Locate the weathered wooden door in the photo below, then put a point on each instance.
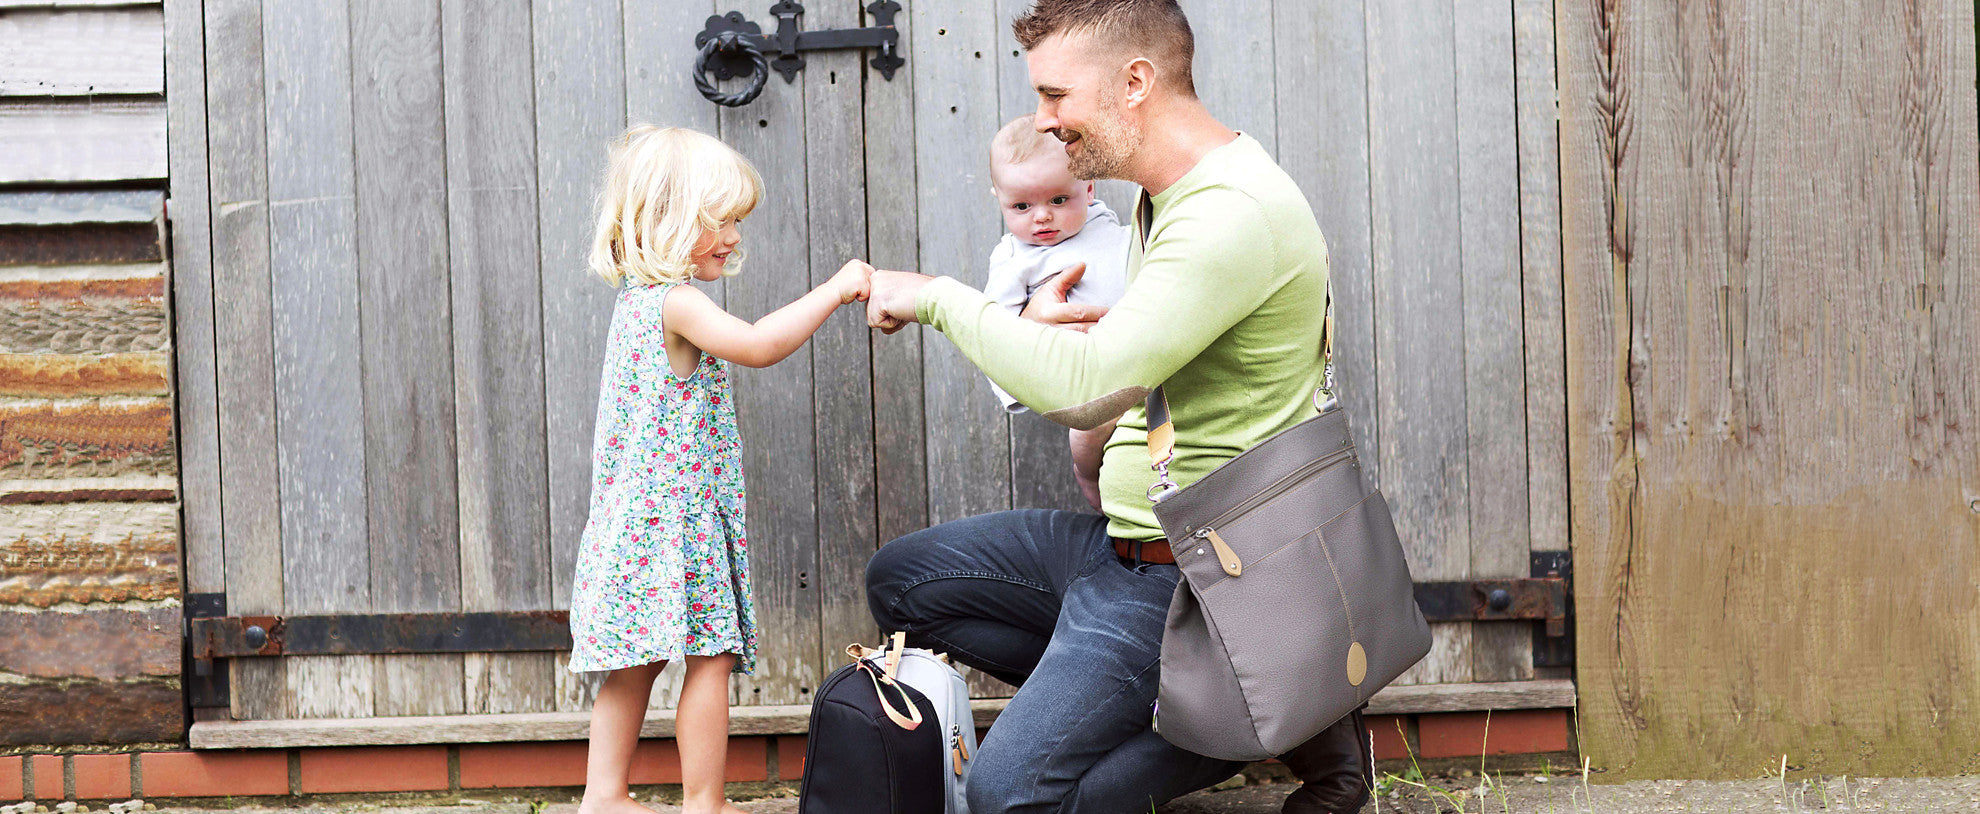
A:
(397, 401)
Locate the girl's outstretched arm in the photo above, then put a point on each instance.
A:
(691, 315)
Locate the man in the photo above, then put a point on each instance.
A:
(1224, 306)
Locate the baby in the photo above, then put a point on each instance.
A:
(1054, 222)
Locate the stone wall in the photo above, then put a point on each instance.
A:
(90, 630)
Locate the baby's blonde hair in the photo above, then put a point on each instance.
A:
(666, 187)
(1018, 142)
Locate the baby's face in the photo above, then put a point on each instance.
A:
(1042, 203)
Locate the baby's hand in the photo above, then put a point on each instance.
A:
(853, 282)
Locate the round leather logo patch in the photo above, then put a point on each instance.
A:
(1357, 664)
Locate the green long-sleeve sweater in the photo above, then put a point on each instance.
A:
(1224, 306)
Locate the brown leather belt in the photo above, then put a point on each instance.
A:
(1155, 551)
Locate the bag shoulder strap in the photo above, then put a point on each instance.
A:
(1161, 424)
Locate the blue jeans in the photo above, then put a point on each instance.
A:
(1038, 599)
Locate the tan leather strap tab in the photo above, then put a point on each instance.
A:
(893, 660)
(1327, 328)
(1162, 443)
(908, 722)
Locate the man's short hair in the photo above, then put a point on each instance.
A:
(1156, 29)
(1018, 141)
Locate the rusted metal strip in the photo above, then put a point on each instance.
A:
(378, 633)
(1541, 599)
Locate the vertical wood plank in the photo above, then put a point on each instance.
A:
(319, 409)
(956, 103)
(660, 90)
(399, 135)
(505, 561)
(1041, 465)
(1540, 278)
(1041, 461)
(195, 376)
(1494, 365)
(1235, 66)
(243, 349)
(1593, 116)
(893, 210)
(1419, 335)
(842, 349)
(579, 63)
(1540, 273)
(1323, 144)
(774, 405)
(660, 56)
(580, 108)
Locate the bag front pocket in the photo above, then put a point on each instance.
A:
(1287, 634)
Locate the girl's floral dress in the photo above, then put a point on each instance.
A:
(663, 568)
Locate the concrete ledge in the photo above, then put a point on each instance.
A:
(771, 720)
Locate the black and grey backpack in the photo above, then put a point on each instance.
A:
(876, 744)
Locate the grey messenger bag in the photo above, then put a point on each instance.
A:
(1295, 604)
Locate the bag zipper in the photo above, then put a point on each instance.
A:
(957, 751)
(1265, 495)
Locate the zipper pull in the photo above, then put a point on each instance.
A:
(1225, 556)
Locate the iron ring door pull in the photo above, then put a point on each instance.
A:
(732, 44)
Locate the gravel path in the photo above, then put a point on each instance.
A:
(1527, 794)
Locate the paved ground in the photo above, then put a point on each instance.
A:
(1525, 794)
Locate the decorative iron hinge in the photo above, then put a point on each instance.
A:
(731, 46)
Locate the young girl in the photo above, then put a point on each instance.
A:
(663, 569)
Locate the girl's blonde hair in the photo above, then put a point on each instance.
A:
(666, 187)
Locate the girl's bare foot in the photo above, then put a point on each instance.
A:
(612, 805)
(726, 808)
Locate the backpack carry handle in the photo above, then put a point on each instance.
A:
(874, 674)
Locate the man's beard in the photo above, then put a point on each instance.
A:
(1105, 147)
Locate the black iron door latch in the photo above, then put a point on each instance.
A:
(731, 46)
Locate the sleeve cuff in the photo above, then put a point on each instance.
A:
(937, 294)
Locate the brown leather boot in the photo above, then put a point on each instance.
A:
(1336, 768)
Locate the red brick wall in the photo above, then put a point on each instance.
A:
(468, 767)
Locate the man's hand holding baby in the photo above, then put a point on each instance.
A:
(1049, 303)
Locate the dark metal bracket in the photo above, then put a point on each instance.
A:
(1545, 599)
(1553, 646)
(731, 46)
(1495, 600)
(344, 634)
(205, 681)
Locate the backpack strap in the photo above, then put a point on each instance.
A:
(907, 722)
